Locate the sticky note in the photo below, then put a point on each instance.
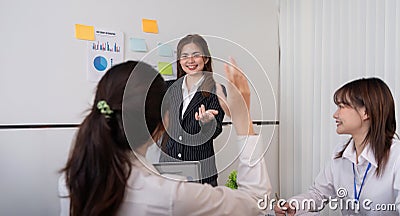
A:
(84, 32)
(165, 68)
(150, 26)
(138, 45)
(165, 50)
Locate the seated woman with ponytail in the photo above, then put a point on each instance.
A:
(107, 174)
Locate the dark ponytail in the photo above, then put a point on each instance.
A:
(96, 175)
(99, 164)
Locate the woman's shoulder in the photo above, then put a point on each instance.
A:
(395, 153)
(169, 83)
(173, 82)
(340, 147)
(220, 88)
(395, 148)
(62, 185)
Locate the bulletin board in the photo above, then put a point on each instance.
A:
(44, 76)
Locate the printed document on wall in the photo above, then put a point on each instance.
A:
(105, 51)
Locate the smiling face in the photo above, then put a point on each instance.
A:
(192, 59)
(350, 120)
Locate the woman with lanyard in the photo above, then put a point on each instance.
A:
(364, 175)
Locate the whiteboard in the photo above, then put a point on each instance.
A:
(43, 77)
(30, 161)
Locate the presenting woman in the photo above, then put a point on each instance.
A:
(195, 114)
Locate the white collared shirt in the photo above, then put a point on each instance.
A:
(337, 179)
(148, 193)
(188, 95)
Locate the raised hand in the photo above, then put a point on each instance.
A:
(238, 99)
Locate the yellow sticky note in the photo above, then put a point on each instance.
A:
(165, 68)
(150, 26)
(84, 32)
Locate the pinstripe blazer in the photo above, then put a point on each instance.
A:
(188, 140)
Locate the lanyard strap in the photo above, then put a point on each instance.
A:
(357, 195)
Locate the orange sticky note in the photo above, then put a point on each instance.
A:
(84, 32)
(150, 26)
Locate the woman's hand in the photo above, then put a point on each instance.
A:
(238, 99)
(284, 210)
(205, 116)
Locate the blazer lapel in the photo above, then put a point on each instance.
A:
(194, 103)
(175, 98)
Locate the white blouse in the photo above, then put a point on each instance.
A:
(379, 195)
(149, 193)
(187, 95)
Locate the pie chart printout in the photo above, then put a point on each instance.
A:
(100, 63)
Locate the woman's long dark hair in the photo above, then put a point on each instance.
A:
(375, 96)
(100, 160)
(209, 82)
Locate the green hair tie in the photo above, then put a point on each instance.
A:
(104, 108)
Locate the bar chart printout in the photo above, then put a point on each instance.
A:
(105, 51)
